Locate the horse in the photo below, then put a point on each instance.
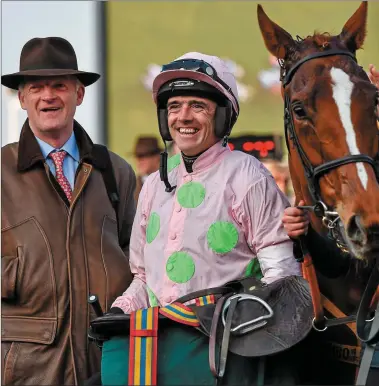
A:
(332, 138)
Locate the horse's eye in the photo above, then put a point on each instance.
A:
(299, 111)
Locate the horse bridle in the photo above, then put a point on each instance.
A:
(329, 218)
(370, 336)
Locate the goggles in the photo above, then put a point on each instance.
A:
(197, 66)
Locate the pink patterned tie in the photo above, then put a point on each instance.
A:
(58, 158)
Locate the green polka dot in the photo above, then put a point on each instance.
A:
(191, 194)
(152, 298)
(254, 269)
(153, 227)
(180, 267)
(173, 162)
(222, 236)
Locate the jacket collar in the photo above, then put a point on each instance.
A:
(29, 151)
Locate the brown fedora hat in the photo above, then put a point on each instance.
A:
(50, 56)
(146, 146)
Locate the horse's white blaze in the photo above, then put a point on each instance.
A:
(342, 89)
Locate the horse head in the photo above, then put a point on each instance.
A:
(331, 129)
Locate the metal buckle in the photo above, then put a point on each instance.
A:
(252, 324)
(319, 329)
(373, 317)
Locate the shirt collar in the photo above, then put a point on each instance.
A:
(70, 147)
(208, 158)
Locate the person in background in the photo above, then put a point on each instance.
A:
(60, 239)
(146, 153)
(280, 172)
(373, 74)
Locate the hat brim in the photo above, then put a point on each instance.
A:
(166, 76)
(14, 80)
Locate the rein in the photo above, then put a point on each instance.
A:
(367, 329)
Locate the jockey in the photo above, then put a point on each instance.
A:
(210, 215)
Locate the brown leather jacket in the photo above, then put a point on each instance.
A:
(53, 256)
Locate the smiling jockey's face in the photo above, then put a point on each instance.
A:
(191, 121)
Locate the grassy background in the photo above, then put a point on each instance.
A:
(144, 32)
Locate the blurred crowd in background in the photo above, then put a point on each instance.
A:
(127, 43)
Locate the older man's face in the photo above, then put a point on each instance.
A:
(147, 164)
(191, 121)
(51, 104)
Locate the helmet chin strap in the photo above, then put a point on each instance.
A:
(163, 169)
(163, 165)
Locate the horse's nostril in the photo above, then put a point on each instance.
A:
(355, 231)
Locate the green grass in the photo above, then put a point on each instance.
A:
(144, 32)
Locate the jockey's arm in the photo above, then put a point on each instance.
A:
(136, 297)
(327, 257)
(260, 214)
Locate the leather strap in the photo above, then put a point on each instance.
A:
(206, 292)
(226, 338)
(375, 299)
(109, 179)
(213, 334)
(369, 335)
(339, 321)
(310, 275)
(261, 371)
(339, 315)
(219, 370)
(326, 167)
(288, 77)
(365, 366)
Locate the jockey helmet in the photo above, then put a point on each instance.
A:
(201, 75)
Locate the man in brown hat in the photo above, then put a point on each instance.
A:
(146, 153)
(67, 212)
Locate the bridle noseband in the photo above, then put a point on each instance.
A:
(329, 218)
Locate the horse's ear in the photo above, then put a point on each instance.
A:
(354, 31)
(276, 39)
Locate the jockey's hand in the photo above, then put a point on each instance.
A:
(296, 221)
(115, 310)
(373, 75)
